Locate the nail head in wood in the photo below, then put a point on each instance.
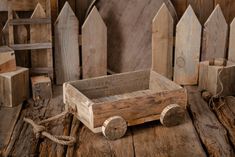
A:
(114, 128)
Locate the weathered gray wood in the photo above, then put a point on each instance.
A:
(41, 87)
(215, 31)
(129, 32)
(67, 62)
(187, 49)
(155, 140)
(94, 46)
(162, 42)
(33, 46)
(29, 21)
(231, 49)
(213, 135)
(7, 59)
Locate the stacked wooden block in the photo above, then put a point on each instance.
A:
(14, 81)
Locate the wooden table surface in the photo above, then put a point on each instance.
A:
(204, 133)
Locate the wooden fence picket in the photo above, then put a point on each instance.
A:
(67, 60)
(162, 42)
(94, 45)
(214, 36)
(231, 51)
(187, 49)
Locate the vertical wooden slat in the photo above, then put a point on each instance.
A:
(231, 51)
(162, 42)
(67, 63)
(214, 36)
(21, 37)
(228, 8)
(94, 46)
(202, 8)
(187, 48)
(38, 34)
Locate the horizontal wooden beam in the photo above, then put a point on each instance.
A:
(34, 46)
(42, 70)
(30, 21)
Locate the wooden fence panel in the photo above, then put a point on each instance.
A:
(214, 36)
(187, 49)
(94, 46)
(228, 8)
(231, 51)
(162, 42)
(67, 62)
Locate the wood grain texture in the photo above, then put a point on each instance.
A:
(213, 135)
(129, 32)
(40, 34)
(94, 46)
(231, 49)
(14, 87)
(21, 37)
(187, 49)
(180, 6)
(215, 31)
(202, 8)
(156, 140)
(7, 59)
(41, 87)
(67, 60)
(228, 8)
(162, 42)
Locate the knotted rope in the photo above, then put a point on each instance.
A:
(39, 130)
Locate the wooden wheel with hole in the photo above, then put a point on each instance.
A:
(114, 128)
(172, 115)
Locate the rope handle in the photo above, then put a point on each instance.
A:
(39, 130)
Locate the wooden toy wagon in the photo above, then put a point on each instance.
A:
(109, 104)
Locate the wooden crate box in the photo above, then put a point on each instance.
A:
(41, 87)
(7, 59)
(209, 76)
(129, 98)
(14, 87)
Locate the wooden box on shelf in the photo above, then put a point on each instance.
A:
(41, 87)
(7, 59)
(14, 87)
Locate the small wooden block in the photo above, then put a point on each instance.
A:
(114, 128)
(7, 59)
(41, 87)
(210, 76)
(14, 87)
(172, 115)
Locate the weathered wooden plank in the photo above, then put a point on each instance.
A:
(187, 49)
(129, 32)
(33, 46)
(162, 42)
(3, 5)
(67, 62)
(94, 46)
(29, 21)
(226, 114)
(9, 117)
(228, 8)
(213, 135)
(40, 34)
(21, 37)
(215, 31)
(231, 49)
(202, 8)
(41, 87)
(155, 140)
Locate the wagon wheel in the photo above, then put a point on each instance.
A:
(172, 115)
(114, 128)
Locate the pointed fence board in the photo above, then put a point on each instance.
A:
(162, 42)
(21, 37)
(40, 33)
(67, 63)
(231, 50)
(94, 46)
(214, 36)
(187, 49)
